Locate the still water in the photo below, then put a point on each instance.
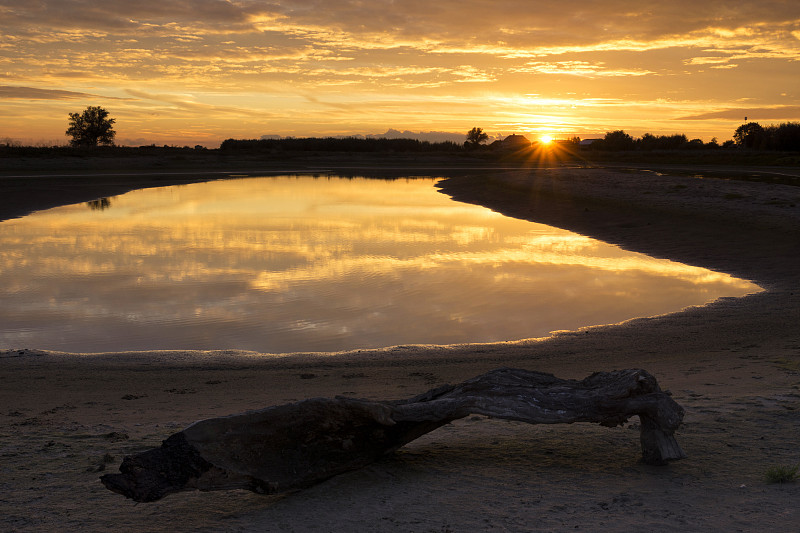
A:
(298, 263)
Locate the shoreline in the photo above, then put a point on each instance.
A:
(733, 364)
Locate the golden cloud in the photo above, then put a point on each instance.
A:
(578, 68)
(34, 93)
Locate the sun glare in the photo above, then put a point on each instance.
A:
(546, 139)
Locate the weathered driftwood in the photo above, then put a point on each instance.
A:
(292, 446)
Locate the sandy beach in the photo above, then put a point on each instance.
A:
(734, 365)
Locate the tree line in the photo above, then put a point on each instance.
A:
(335, 144)
(784, 137)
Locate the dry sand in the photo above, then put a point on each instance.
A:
(734, 365)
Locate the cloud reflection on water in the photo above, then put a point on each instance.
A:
(285, 264)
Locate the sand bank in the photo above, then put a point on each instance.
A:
(734, 365)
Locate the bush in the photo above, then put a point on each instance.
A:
(782, 474)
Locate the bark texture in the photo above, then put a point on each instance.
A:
(296, 445)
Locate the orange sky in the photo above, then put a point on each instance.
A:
(192, 72)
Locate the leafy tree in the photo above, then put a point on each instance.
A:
(475, 137)
(785, 137)
(750, 135)
(92, 127)
(617, 141)
(649, 141)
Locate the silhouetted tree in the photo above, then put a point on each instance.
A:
(475, 137)
(92, 127)
(750, 135)
(695, 144)
(649, 141)
(785, 137)
(617, 141)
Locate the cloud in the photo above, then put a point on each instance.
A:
(33, 93)
(335, 105)
(578, 68)
(431, 136)
(752, 113)
(188, 103)
(520, 23)
(219, 37)
(707, 60)
(454, 24)
(122, 16)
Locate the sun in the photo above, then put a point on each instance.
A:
(546, 139)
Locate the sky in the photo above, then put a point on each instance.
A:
(188, 72)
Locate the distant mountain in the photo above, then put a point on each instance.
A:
(430, 136)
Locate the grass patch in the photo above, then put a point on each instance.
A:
(782, 474)
(792, 365)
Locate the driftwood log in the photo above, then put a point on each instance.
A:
(296, 445)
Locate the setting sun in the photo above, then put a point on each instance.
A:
(546, 139)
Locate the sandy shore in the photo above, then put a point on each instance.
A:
(734, 365)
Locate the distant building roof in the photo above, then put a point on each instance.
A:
(516, 140)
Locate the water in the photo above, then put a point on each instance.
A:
(298, 263)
